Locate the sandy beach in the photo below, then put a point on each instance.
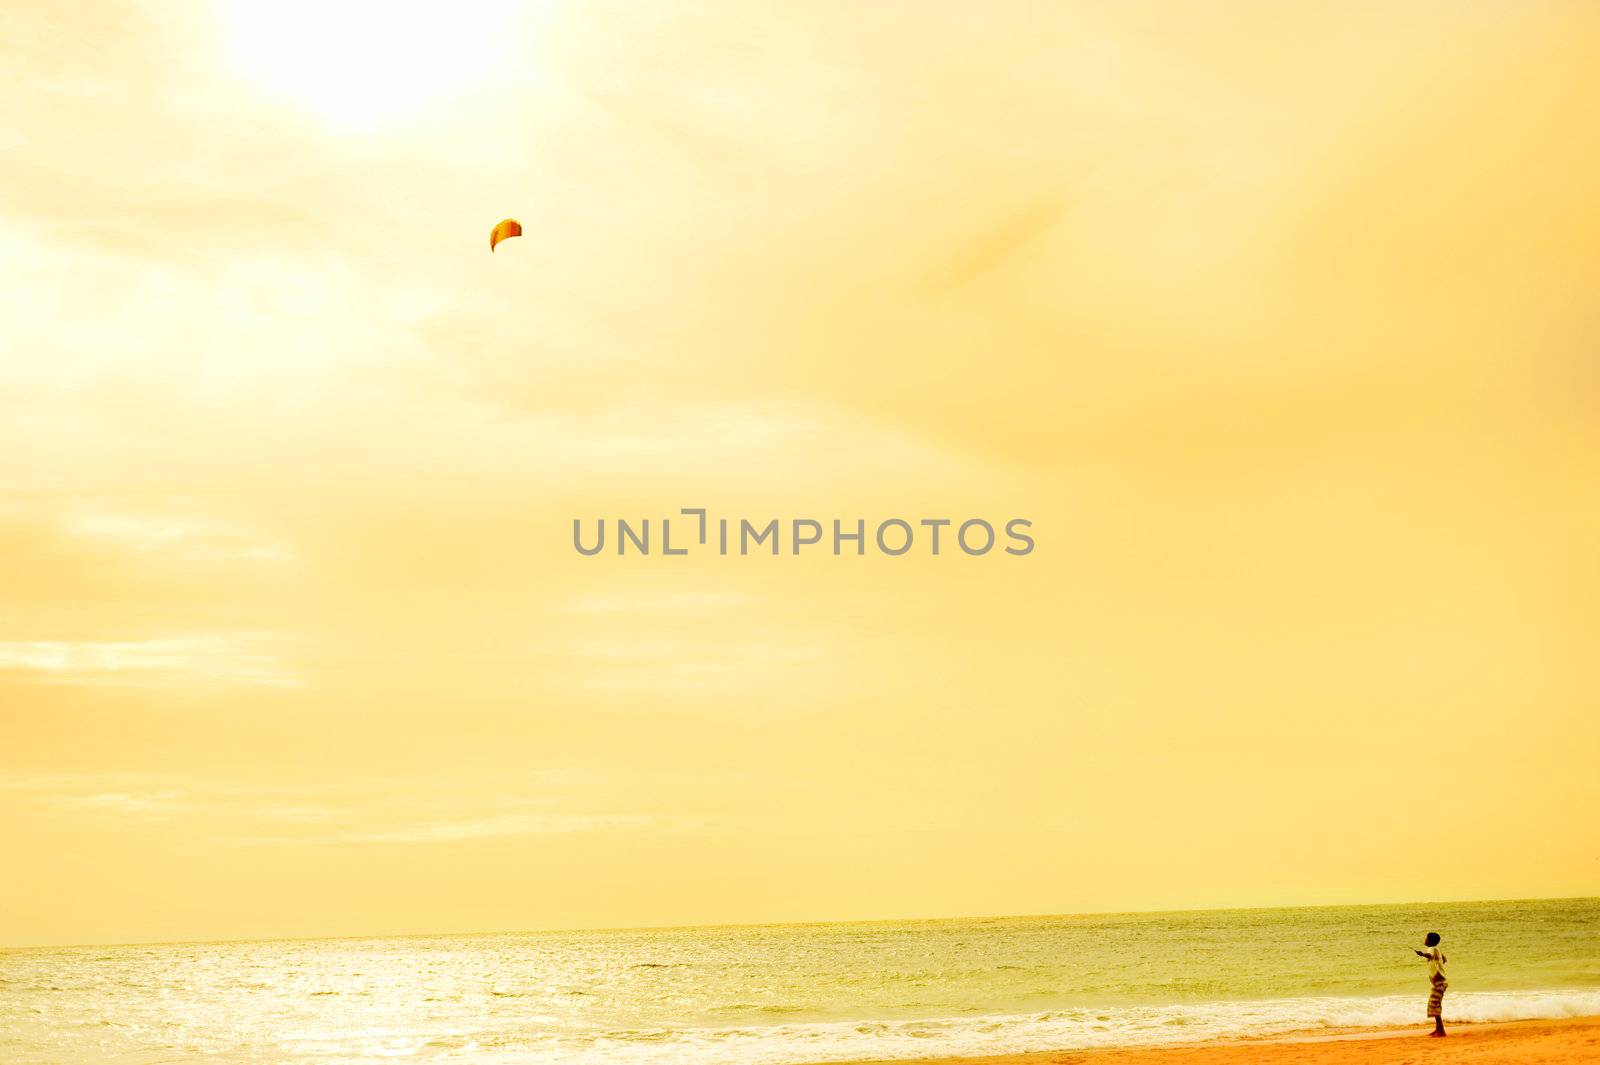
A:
(1562, 1042)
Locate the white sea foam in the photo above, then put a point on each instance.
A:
(1073, 1029)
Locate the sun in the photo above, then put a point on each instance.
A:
(365, 62)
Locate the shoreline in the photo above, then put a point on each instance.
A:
(1559, 1041)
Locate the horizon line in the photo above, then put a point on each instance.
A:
(775, 924)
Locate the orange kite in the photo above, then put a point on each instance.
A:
(503, 230)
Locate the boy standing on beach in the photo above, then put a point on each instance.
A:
(1434, 956)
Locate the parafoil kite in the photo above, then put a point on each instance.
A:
(510, 227)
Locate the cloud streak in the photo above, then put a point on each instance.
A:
(420, 811)
(202, 661)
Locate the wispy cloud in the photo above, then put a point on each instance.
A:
(206, 661)
(683, 602)
(994, 247)
(141, 805)
(184, 537)
(667, 664)
(303, 813)
(528, 823)
(409, 811)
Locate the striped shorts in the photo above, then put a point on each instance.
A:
(1436, 997)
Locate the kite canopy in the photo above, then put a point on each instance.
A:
(502, 230)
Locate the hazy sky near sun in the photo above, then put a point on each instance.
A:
(1278, 321)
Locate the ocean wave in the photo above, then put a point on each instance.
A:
(1061, 1029)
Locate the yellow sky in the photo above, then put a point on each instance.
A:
(1277, 320)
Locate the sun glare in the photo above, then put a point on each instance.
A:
(366, 61)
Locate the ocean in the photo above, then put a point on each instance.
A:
(767, 995)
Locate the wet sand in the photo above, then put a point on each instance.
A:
(1564, 1042)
